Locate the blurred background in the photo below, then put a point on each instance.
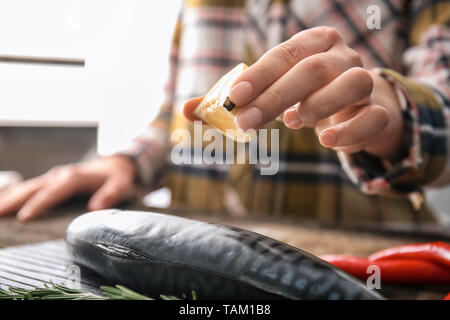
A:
(96, 108)
(125, 44)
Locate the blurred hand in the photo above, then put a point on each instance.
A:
(315, 80)
(109, 179)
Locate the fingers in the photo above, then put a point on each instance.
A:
(58, 188)
(13, 198)
(110, 175)
(189, 107)
(279, 60)
(300, 81)
(113, 191)
(71, 181)
(357, 84)
(352, 135)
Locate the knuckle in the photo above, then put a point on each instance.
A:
(261, 74)
(309, 113)
(354, 57)
(330, 34)
(319, 114)
(276, 99)
(290, 51)
(68, 173)
(364, 81)
(317, 66)
(55, 170)
(381, 116)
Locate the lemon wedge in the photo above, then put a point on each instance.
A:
(217, 110)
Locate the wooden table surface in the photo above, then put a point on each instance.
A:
(314, 239)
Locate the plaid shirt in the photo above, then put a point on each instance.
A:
(411, 50)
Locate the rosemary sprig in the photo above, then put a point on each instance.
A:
(59, 292)
(49, 292)
(122, 293)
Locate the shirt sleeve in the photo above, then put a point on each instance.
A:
(149, 151)
(424, 93)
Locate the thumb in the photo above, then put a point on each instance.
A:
(112, 192)
(189, 107)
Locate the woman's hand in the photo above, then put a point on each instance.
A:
(315, 80)
(110, 179)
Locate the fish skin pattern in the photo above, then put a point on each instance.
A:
(155, 254)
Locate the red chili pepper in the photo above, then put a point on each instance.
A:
(356, 266)
(438, 252)
(394, 271)
(447, 297)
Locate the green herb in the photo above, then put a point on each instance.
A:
(49, 292)
(121, 293)
(59, 292)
